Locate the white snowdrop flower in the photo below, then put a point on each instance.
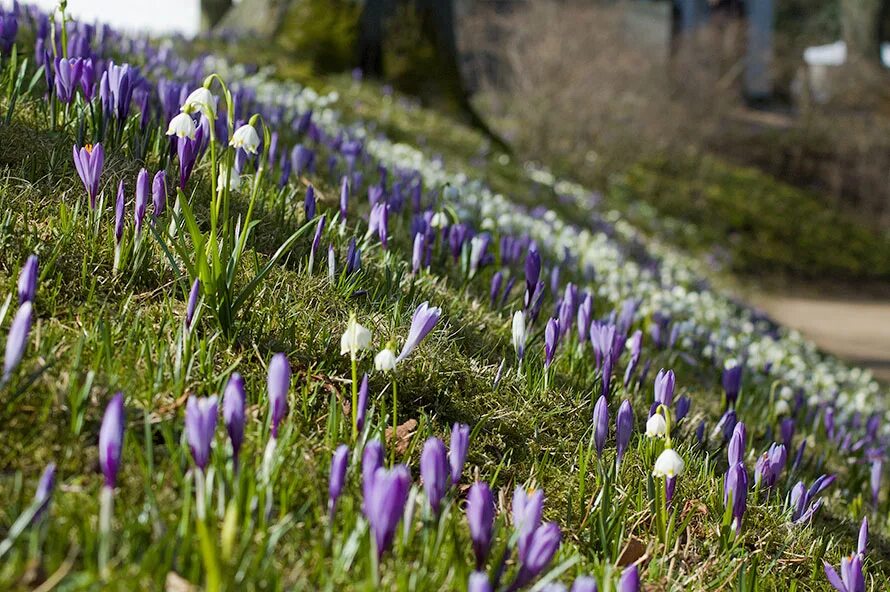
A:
(520, 332)
(782, 407)
(246, 137)
(355, 338)
(201, 100)
(439, 220)
(656, 426)
(668, 464)
(385, 360)
(225, 179)
(182, 126)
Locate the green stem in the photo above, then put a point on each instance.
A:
(395, 418)
(354, 398)
(106, 510)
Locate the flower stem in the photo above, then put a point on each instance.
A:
(106, 510)
(354, 398)
(395, 419)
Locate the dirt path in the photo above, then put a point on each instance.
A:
(857, 331)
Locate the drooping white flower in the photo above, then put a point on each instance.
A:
(182, 126)
(355, 338)
(224, 179)
(201, 100)
(246, 137)
(668, 464)
(439, 220)
(520, 333)
(656, 426)
(385, 360)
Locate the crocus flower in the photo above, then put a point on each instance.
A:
(520, 333)
(736, 450)
(585, 311)
(851, 578)
(584, 584)
(417, 253)
(664, 387)
(423, 320)
(624, 425)
(527, 511)
(636, 350)
(337, 477)
(769, 466)
(142, 189)
(17, 340)
(89, 161)
(862, 543)
(355, 338)
(434, 470)
(119, 214)
(479, 582)
(88, 80)
(27, 284)
(246, 138)
(344, 197)
(187, 150)
(278, 385)
(67, 78)
(732, 383)
(111, 440)
(44, 491)
(316, 240)
(372, 459)
(541, 548)
(668, 464)
(735, 492)
(309, 203)
(682, 409)
(877, 470)
(532, 275)
(9, 28)
(600, 424)
(480, 517)
(233, 413)
(120, 84)
(362, 403)
(386, 504)
(159, 193)
(457, 453)
(192, 303)
(200, 424)
(786, 428)
(630, 580)
(551, 340)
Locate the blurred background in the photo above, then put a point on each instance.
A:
(750, 133)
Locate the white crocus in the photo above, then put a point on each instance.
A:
(520, 333)
(246, 137)
(385, 360)
(668, 464)
(355, 338)
(182, 126)
(201, 100)
(656, 426)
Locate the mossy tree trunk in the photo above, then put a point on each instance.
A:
(860, 25)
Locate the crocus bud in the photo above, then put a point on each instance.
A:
(44, 491)
(27, 285)
(372, 459)
(457, 454)
(119, 214)
(527, 511)
(585, 311)
(479, 582)
(863, 537)
(111, 440)
(423, 320)
(316, 240)
(192, 303)
(624, 425)
(434, 470)
(664, 387)
(541, 548)
(389, 492)
(338, 477)
(17, 340)
(551, 340)
(344, 197)
(584, 584)
(532, 275)
(142, 188)
(600, 424)
(159, 193)
(200, 424)
(278, 384)
(732, 383)
(233, 413)
(362, 403)
(519, 334)
(630, 580)
(736, 449)
(682, 410)
(668, 463)
(480, 517)
(417, 253)
(735, 492)
(309, 203)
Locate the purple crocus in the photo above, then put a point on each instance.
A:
(187, 150)
(309, 203)
(67, 78)
(600, 424)
(159, 193)
(200, 424)
(769, 466)
(88, 80)
(344, 198)
(630, 580)
(362, 403)
(532, 275)
(9, 28)
(278, 384)
(386, 504)
(434, 470)
(337, 477)
(664, 387)
(584, 584)
(480, 517)
(119, 211)
(422, 322)
(142, 189)
(732, 384)
(44, 491)
(624, 425)
(316, 240)
(479, 582)
(17, 340)
(233, 413)
(192, 303)
(585, 312)
(735, 492)
(27, 284)
(417, 252)
(551, 340)
(851, 578)
(541, 548)
(372, 459)
(735, 452)
(527, 511)
(111, 440)
(457, 453)
(89, 161)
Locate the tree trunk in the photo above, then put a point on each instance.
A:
(370, 37)
(212, 11)
(860, 24)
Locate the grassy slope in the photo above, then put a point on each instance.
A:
(125, 331)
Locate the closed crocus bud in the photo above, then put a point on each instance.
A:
(736, 450)
(551, 340)
(732, 383)
(337, 477)
(385, 360)
(630, 580)
(233, 413)
(362, 404)
(668, 464)
(247, 138)
(480, 517)
(585, 312)
(355, 338)
(27, 285)
(519, 334)
(664, 387)
(192, 303)
(309, 203)
(527, 511)
(344, 197)
(111, 440)
(119, 210)
(417, 253)
(624, 425)
(372, 459)
(434, 470)
(457, 454)
(159, 193)
(200, 424)
(735, 492)
(17, 340)
(479, 582)
(423, 321)
(863, 538)
(541, 548)
(278, 384)
(389, 493)
(182, 126)
(656, 426)
(682, 410)
(142, 189)
(584, 584)
(44, 491)
(600, 424)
